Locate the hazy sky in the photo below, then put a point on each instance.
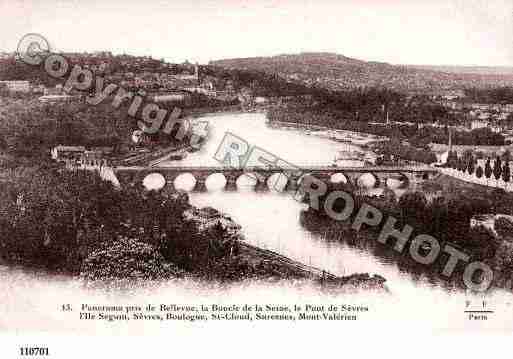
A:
(459, 32)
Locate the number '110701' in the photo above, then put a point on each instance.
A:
(33, 351)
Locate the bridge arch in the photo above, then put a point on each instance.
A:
(396, 181)
(367, 180)
(338, 178)
(277, 182)
(154, 181)
(247, 181)
(216, 182)
(185, 182)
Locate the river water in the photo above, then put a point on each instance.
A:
(269, 220)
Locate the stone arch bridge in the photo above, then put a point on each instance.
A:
(265, 178)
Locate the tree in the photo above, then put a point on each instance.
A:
(479, 172)
(124, 261)
(463, 165)
(471, 166)
(504, 228)
(504, 263)
(497, 168)
(506, 172)
(506, 156)
(413, 209)
(467, 156)
(488, 169)
(452, 159)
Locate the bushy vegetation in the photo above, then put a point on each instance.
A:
(413, 133)
(489, 95)
(499, 168)
(126, 260)
(393, 151)
(504, 228)
(259, 82)
(12, 69)
(30, 129)
(446, 218)
(73, 221)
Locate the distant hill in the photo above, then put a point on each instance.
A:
(338, 72)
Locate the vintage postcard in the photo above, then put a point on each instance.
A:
(215, 173)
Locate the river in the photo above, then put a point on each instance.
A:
(270, 219)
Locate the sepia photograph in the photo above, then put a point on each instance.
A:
(192, 175)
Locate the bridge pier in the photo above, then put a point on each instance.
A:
(231, 184)
(200, 186)
(352, 179)
(292, 185)
(261, 186)
(169, 187)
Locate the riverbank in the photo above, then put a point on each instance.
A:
(220, 111)
(485, 151)
(353, 137)
(353, 282)
(252, 262)
(452, 218)
(358, 138)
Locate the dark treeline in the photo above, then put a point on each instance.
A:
(29, 128)
(498, 168)
(448, 219)
(413, 133)
(12, 69)
(393, 151)
(490, 96)
(372, 104)
(198, 101)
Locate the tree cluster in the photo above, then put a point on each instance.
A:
(66, 221)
